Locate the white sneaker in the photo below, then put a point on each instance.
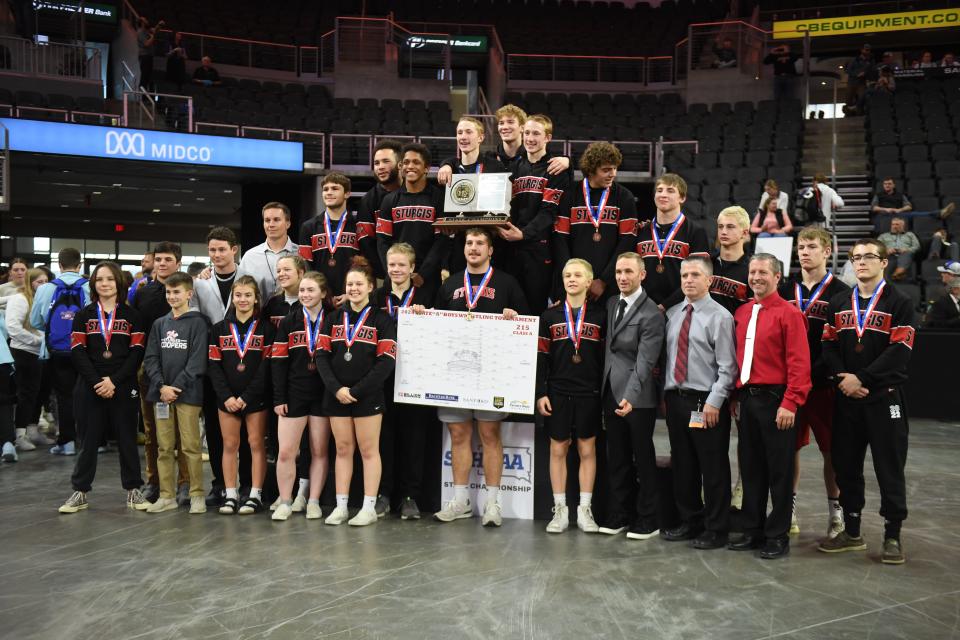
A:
(492, 514)
(276, 503)
(585, 521)
(454, 510)
(33, 435)
(74, 503)
(313, 511)
(198, 504)
(835, 526)
(43, 423)
(299, 504)
(9, 453)
(794, 524)
(282, 512)
(163, 504)
(561, 520)
(24, 444)
(364, 517)
(736, 500)
(338, 516)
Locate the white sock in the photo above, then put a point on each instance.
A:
(342, 500)
(833, 504)
(21, 432)
(255, 493)
(304, 487)
(369, 502)
(586, 499)
(559, 499)
(460, 493)
(493, 494)
(316, 502)
(232, 493)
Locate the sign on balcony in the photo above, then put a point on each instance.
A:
(152, 146)
(464, 44)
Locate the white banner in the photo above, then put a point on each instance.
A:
(782, 248)
(516, 495)
(486, 363)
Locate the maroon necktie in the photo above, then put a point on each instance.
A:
(680, 368)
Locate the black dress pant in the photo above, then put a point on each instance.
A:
(29, 373)
(410, 423)
(94, 416)
(699, 461)
(211, 423)
(632, 466)
(882, 425)
(766, 463)
(8, 396)
(64, 378)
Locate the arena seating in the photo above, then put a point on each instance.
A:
(913, 138)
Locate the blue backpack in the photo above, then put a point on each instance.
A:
(66, 302)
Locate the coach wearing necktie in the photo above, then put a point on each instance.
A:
(701, 370)
(774, 363)
(634, 340)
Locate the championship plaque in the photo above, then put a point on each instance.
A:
(476, 199)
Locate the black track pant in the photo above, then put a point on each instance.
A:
(94, 416)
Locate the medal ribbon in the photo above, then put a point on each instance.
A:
(334, 239)
(798, 293)
(404, 302)
(661, 245)
(575, 334)
(106, 324)
(244, 345)
(595, 217)
(861, 324)
(350, 330)
(312, 329)
(467, 289)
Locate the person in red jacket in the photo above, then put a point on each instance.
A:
(774, 361)
(239, 369)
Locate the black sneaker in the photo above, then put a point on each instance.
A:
(150, 492)
(382, 507)
(682, 532)
(892, 552)
(775, 548)
(216, 497)
(409, 509)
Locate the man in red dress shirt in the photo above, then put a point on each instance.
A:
(774, 381)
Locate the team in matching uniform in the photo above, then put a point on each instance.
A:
(321, 350)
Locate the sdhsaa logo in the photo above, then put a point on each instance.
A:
(516, 462)
(124, 143)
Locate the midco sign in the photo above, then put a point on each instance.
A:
(154, 146)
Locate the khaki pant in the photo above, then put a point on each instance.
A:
(150, 436)
(184, 420)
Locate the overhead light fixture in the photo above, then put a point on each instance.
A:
(117, 184)
(64, 206)
(97, 193)
(156, 210)
(176, 204)
(228, 190)
(86, 219)
(200, 199)
(192, 179)
(150, 224)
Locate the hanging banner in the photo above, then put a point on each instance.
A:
(874, 23)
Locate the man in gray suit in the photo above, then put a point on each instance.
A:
(634, 338)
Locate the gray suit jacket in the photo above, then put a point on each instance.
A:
(207, 300)
(633, 350)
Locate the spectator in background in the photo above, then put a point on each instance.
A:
(27, 349)
(15, 279)
(177, 61)
(195, 269)
(828, 199)
(886, 84)
(146, 271)
(858, 71)
(925, 61)
(940, 244)
(945, 312)
(784, 71)
(725, 56)
(771, 221)
(901, 246)
(772, 190)
(146, 39)
(891, 202)
(205, 74)
(949, 271)
(887, 62)
(949, 60)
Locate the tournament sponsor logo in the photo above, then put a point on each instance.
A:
(125, 143)
(498, 402)
(517, 463)
(407, 394)
(519, 405)
(463, 192)
(445, 397)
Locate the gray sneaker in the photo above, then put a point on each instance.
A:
(183, 495)
(409, 509)
(843, 541)
(74, 503)
(892, 552)
(9, 452)
(382, 507)
(135, 500)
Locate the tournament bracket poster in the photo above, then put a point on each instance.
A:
(516, 495)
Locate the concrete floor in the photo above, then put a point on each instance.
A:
(112, 573)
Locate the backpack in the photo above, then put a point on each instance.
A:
(809, 209)
(66, 302)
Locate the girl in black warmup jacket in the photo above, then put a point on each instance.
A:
(297, 394)
(358, 350)
(239, 369)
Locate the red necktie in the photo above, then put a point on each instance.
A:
(680, 368)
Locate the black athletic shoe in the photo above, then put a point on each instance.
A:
(775, 548)
(710, 540)
(683, 532)
(150, 492)
(745, 543)
(216, 497)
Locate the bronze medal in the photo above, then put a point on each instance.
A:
(332, 262)
(577, 358)
(311, 366)
(107, 354)
(596, 236)
(660, 268)
(241, 367)
(469, 315)
(859, 347)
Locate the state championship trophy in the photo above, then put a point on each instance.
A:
(477, 199)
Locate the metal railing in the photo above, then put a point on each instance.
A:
(146, 109)
(567, 68)
(4, 168)
(726, 45)
(239, 52)
(314, 145)
(420, 54)
(837, 9)
(328, 52)
(661, 147)
(76, 62)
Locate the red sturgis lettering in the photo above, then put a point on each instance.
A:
(319, 241)
(119, 326)
(552, 195)
(582, 214)
(488, 293)
(728, 287)
(903, 335)
(674, 249)
(529, 184)
(878, 321)
(297, 339)
(818, 310)
(423, 214)
(227, 343)
(590, 332)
